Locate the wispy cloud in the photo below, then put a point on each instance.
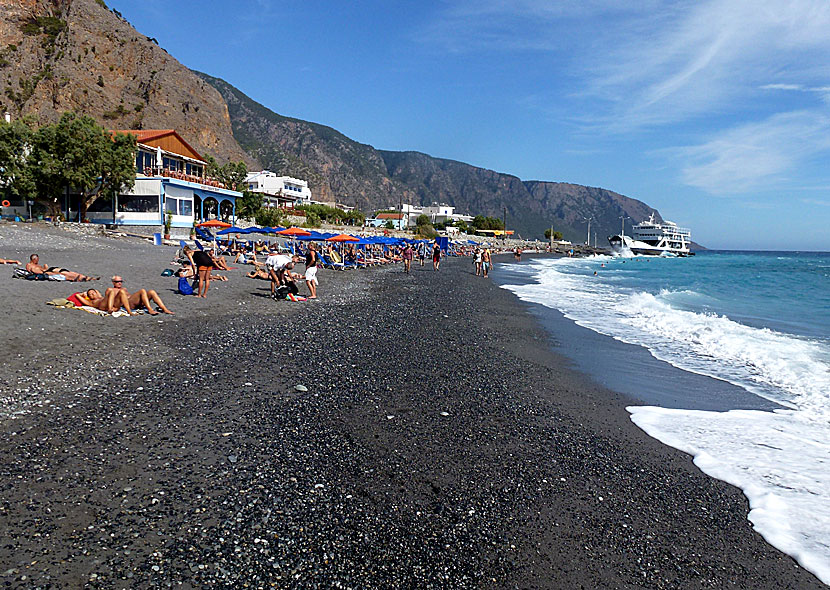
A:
(754, 155)
(819, 202)
(704, 57)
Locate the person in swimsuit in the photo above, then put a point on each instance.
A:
(93, 298)
(9, 261)
(141, 298)
(35, 267)
(311, 260)
(436, 256)
(202, 262)
(477, 261)
(486, 262)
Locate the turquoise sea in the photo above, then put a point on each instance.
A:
(713, 325)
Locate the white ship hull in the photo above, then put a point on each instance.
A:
(627, 245)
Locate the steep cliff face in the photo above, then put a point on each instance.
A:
(78, 55)
(335, 166)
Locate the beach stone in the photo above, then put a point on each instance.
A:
(301, 387)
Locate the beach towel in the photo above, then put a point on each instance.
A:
(61, 303)
(292, 297)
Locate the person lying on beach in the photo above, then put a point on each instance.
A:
(9, 261)
(35, 267)
(114, 300)
(139, 299)
(258, 273)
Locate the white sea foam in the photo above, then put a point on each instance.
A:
(781, 460)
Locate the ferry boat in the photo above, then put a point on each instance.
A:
(651, 238)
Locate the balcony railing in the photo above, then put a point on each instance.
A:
(167, 173)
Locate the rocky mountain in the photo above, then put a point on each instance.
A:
(62, 55)
(59, 55)
(359, 174)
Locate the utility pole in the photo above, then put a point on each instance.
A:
(588, 239)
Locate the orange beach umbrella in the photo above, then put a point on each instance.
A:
(294, 231)
(214, 223)
(342, 238)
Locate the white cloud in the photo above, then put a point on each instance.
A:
(819, 202)
(705, 57)
(756, 154)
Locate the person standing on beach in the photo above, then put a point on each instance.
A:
(477, 261)
(203, 264)
(278, 265)
(311, 259)
(486, 261)
(407, 255)
(422, 252)
(436, 256)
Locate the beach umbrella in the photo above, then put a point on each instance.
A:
(231, 230)
(214, 223)
(294, 231)
(342, 238)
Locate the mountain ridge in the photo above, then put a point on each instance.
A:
(58, 55)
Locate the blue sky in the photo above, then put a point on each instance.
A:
(717, 113)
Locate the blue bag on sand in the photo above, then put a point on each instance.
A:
(184, 287)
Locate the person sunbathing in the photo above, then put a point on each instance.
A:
(9, 261)
(259, 273)
(141, 298)
(35, 267)
(114, 300)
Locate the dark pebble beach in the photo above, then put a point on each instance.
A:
(405, 431)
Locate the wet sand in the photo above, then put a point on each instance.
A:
(404, 431)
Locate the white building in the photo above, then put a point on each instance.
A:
(278, 191)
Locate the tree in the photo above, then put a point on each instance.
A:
(354, 217)
(389, 225)
(250, 203)
(269, 216)
(231, 174)
(422, 220)
(482, 222)
(461, 225)
(557, 235)
(79, 154)
(16, 179)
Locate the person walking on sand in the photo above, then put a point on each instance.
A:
(311, 260)
(407, 255)
(422, 252)
(436, 256)
(486, 261)
(477, 261)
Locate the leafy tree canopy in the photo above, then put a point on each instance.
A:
(557, 235)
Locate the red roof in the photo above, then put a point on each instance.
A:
(389, 216)
(146, 136)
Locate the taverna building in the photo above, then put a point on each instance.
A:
(170, 177)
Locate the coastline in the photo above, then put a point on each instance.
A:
(182, 451)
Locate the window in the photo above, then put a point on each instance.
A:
(138, 203)
(178, 206)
